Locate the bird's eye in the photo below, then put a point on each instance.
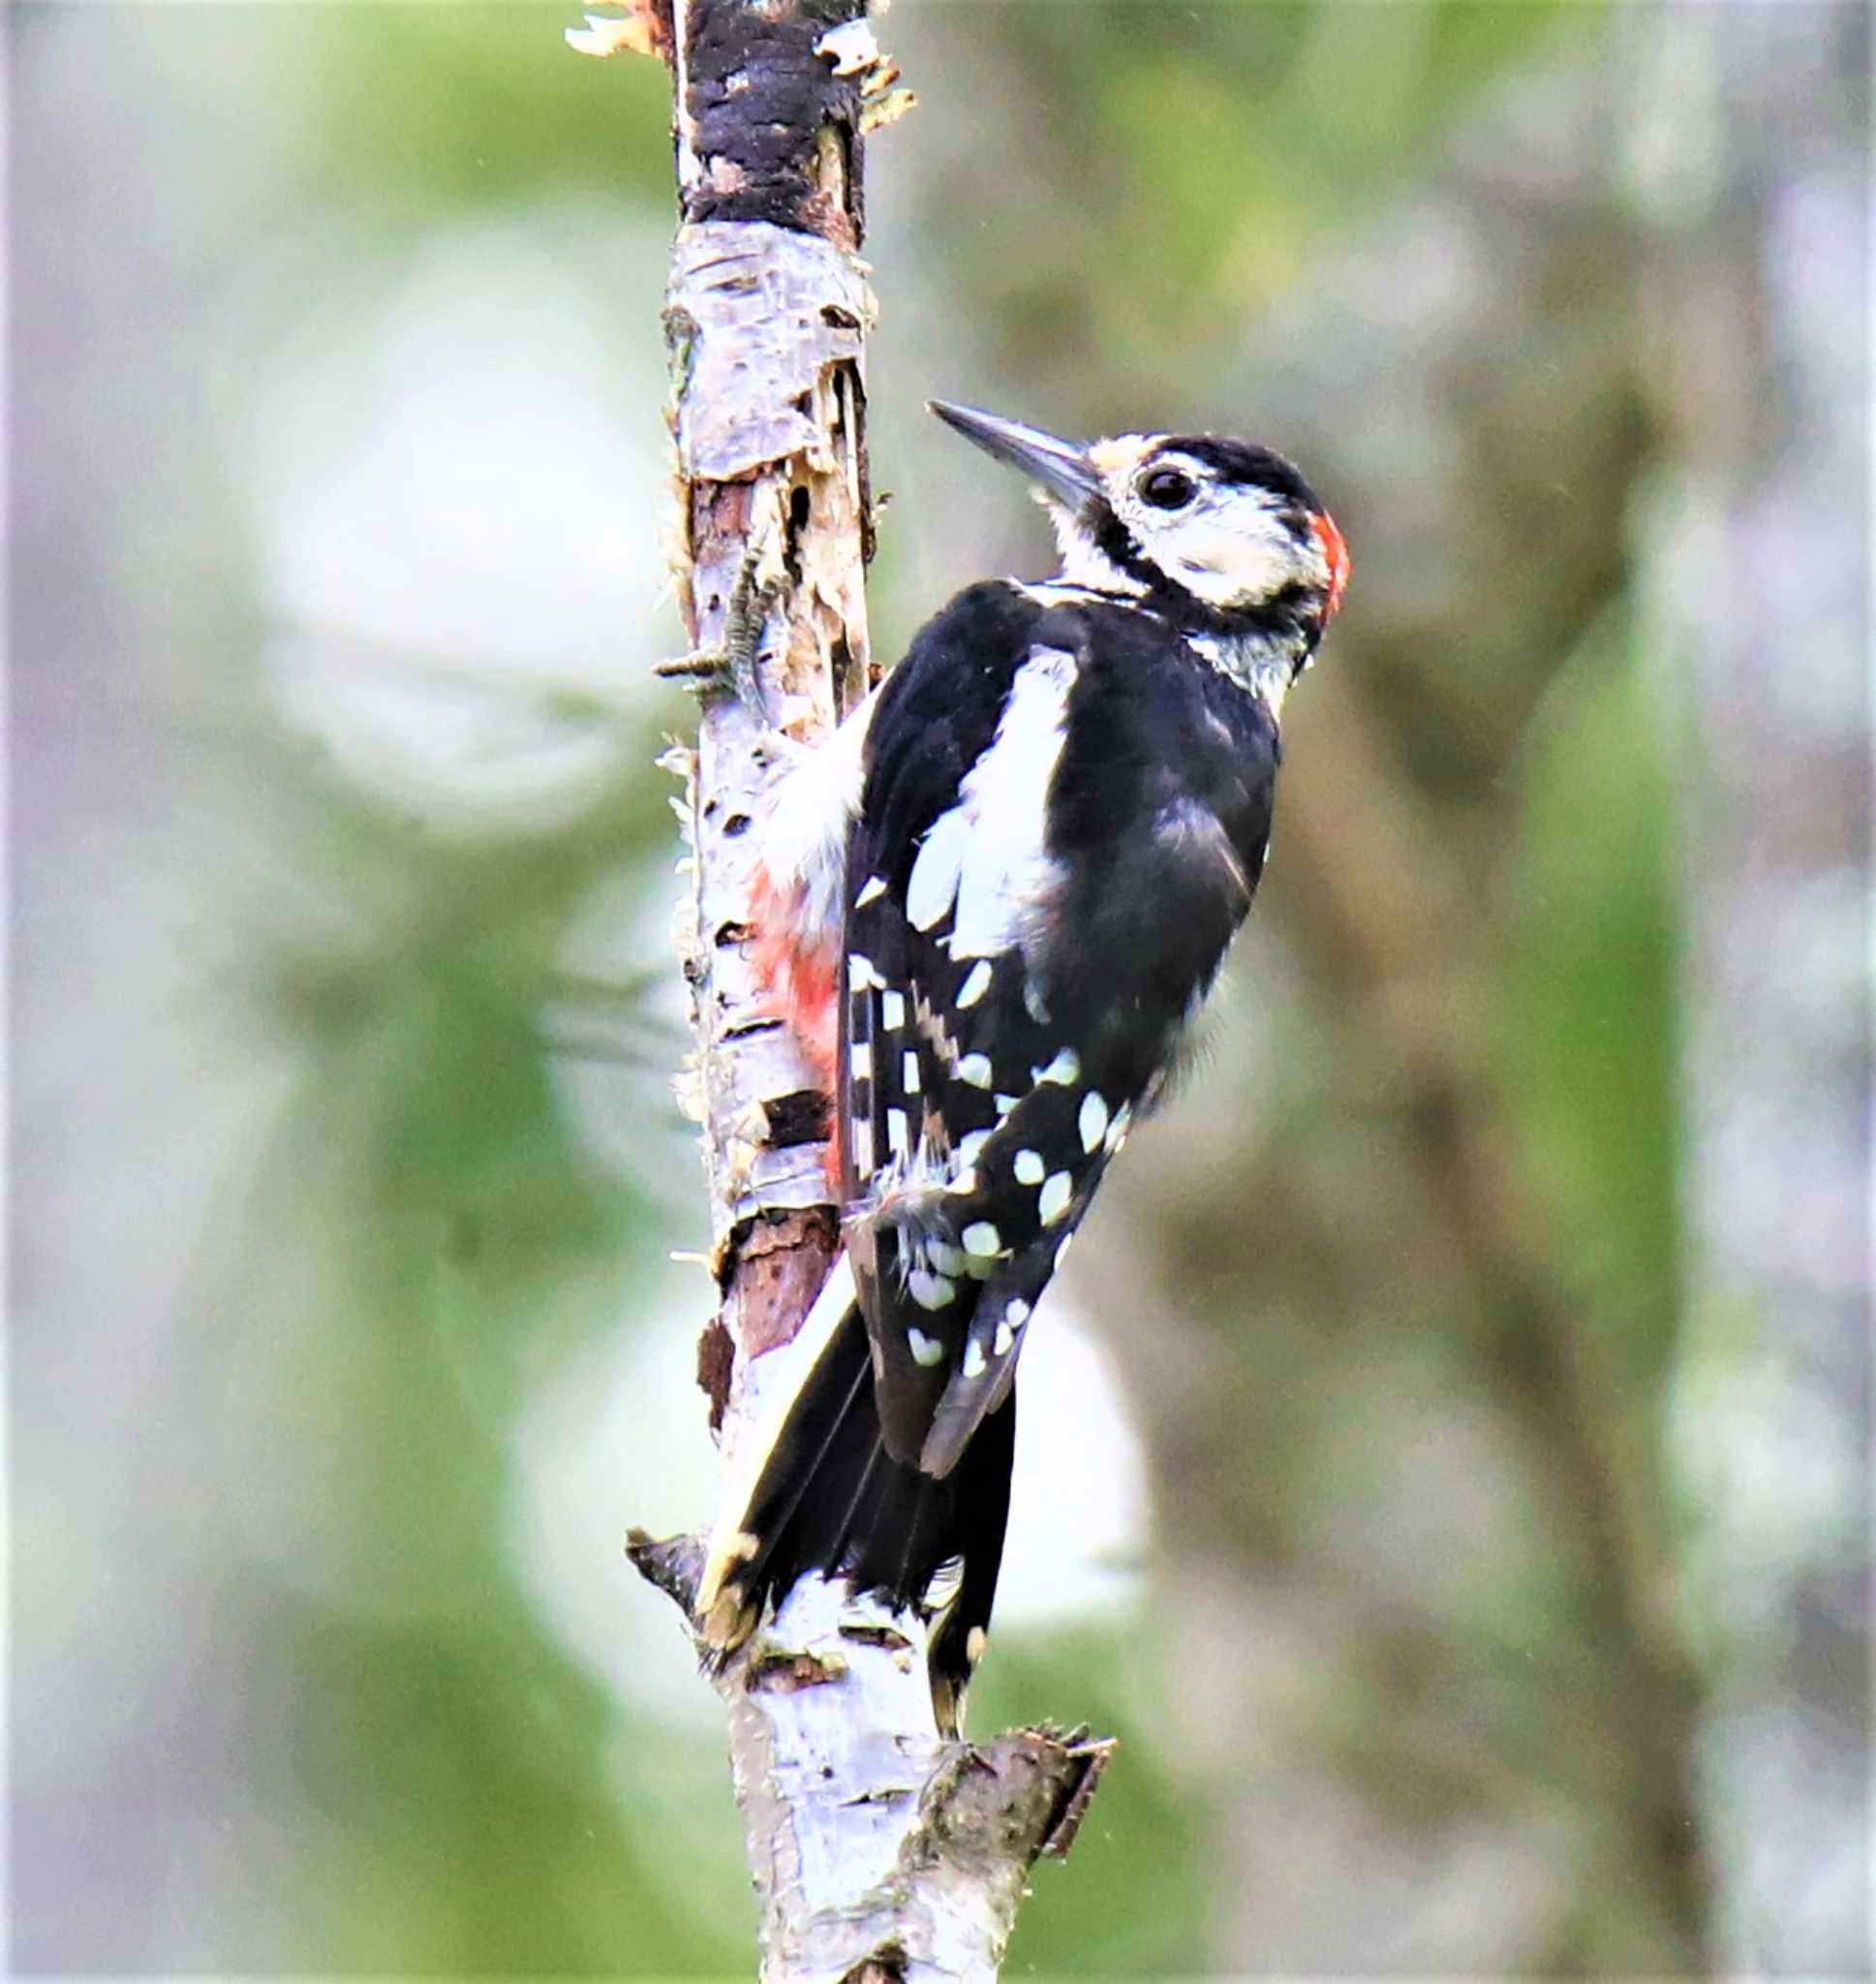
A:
(1167, 488)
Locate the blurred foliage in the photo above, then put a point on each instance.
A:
(1134, 1904)
(1587, 1044)
(1394, 1290)
(456, 106)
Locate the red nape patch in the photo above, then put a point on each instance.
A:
(1335, 555)
(797, 981)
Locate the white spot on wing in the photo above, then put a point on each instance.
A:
(926, 1351)
(860, 1059)
(1015, 1315)
(974, 1069)
(1064, 1068)
(974, 1359)
(876, 887)
(1029, 1167)
(899, 1133)
(1051, 1201)
(976, 984)
(909, 1069)
(892, 1010)
(981, 1238)
(930, 1291)
(1093, 1121)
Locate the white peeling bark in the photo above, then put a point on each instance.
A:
(878, 1849)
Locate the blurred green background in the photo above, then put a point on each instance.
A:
(1447, 1467)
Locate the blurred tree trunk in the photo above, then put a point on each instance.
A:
(1752, 144)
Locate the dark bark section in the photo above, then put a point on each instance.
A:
(776, 132)
(1025, 1793)
(715, 1366)
(780, 1267)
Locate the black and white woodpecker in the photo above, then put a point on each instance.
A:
(988, 907)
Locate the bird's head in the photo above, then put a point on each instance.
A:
(1223, 537)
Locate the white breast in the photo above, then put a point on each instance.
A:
(804, 840)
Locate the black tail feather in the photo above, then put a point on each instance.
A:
(830, 1498)
(983, 1478)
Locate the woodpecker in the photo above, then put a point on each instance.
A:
(988, 907)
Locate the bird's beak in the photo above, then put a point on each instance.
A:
(1060, 467)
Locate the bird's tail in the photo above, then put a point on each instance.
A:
(818, 1492)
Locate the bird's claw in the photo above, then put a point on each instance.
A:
(734, 668)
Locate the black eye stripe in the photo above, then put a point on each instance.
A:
(1167, 488)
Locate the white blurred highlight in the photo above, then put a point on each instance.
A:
(617, 1438)
(458, 490)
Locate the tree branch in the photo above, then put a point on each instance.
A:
(878, 1849)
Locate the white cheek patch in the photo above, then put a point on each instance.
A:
(1223, 568)
(1230, 548)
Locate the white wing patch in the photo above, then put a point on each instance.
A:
(933, 884)
(987, 857)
